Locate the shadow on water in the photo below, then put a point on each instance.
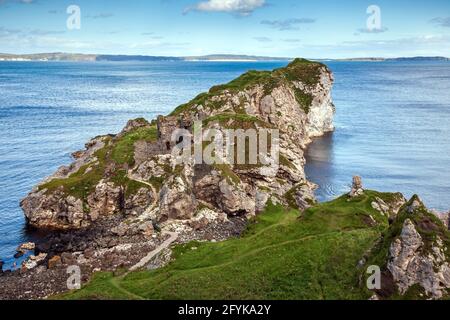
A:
(319, 166)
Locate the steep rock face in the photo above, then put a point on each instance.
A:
(136, 173)
(416, 246)
(409, 266)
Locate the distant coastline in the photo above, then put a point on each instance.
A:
(60, 56)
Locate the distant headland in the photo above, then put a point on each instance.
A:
(61, 56)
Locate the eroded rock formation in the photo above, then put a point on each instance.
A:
(134, 173)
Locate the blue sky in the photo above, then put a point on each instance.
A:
(306, 28)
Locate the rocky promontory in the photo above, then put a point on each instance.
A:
(127, 197)
(135, 174)
(115, 202)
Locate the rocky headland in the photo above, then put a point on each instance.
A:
(127, 195)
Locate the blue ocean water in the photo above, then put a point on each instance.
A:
(392, 123)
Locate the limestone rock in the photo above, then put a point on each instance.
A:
(147, 229)
(33, 261)
(205, 217)
(234, 201)
(54, 211)
(300, 106)
(357, 187)
(137, 203)
(411, 264)
(24, 247)
(134, 124)
(176, 200)
(107, 199)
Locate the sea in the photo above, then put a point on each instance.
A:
(392, 123)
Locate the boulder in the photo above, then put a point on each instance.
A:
(54, 262)
(24, 247)
(134, 124)
(107, 199)
(33, 261)
(68, 259)
(205, 217)
(176, 200)
(147, 229)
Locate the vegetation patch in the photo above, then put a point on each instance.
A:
(299, 70)
(228, 173)
(112, 162)
(304, 71)
(282, 255)
(304, 99)
(123, 150)
(157, 182)
(290, 196)
(81, 183)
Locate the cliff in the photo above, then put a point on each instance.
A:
(136, 174)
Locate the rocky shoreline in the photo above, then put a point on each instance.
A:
(97, 248)
(127, 197)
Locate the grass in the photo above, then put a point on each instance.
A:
(304, 99)
(81, 183)
(123, 150)
(228, 173)
(282, 255)
(116, 155)
(236, 121)
(304, 71)
(299, 70)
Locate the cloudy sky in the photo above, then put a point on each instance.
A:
(307, 28)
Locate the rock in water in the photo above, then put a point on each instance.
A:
(26, 247)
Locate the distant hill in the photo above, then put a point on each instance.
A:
(60, 56)
(229, 57)
(375, 59)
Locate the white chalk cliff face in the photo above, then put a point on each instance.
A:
(321, 114)
(133, 173)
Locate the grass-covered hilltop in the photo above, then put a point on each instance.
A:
(142, 225)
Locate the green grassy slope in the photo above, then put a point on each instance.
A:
(282, 255)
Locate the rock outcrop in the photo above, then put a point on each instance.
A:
(416, 246)
(357, 187)
(137, 174)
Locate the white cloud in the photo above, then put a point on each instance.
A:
(241, 7)
(288, 24)
(440, 21)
